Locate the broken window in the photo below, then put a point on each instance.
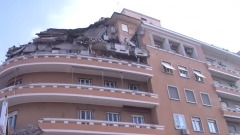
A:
(158, 41)
(124, 27)
(190, 52)
(174, 46)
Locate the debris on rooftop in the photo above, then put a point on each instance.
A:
(99, 39)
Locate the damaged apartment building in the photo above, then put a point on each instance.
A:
(123, 75)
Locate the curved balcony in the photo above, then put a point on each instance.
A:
(60, 126)
(76, 60)
(224, 72)
(228, 92)
(231, 113)
(71, 93)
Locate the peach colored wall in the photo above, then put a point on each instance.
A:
(30, 113)
(167, 107)
(123, 34)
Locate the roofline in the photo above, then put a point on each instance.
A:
(140, 14)
(192, 39)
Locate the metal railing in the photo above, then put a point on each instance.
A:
(102, 123)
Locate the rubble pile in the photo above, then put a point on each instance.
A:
(99, 39)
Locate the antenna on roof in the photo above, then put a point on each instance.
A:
(118, 6)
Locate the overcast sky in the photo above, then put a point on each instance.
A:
(215, 22)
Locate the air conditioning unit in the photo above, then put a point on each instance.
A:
(185, 132)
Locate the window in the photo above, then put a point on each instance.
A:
(86, 115)
(205, 99)
(196, 123)
(212, 125)
(124, 27)
(110, 84)
(167, 67)
(198, 76)
(190, 96)
(134, 87)
(173, 93)
(85, 81)
(179, 121)
(12, 118)
(113, 117)
(183, 71)
(138, 119)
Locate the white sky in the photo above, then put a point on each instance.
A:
(215, 22)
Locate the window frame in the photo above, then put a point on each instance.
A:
(196, 117)
(167, 70)
(124, 27)
(169, 93)
(208, 98)
(187, 75)
(107, 118)
(184, 120)
(209, 119)
(195, 76)
(85, 111)
(14, 116)
(85, 79)
(129, 85)
(142, 118)
(193, 96)
(110, 82)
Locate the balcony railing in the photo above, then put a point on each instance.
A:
(101, 123)
(223, 68)
(228, 87)
(76, 56)
(231, 109)
(77, 86)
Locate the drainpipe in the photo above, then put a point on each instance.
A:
(122, 79)
(102, 78)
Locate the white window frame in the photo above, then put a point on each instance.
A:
(210, 130)
(169, 93)
(124, 27)
(208, 98)
(167, 67)
(85, 114)
(179, 121)
(14, 116)
(114, 84)
(134, 86)
(187, 97)
(85, 81)
(194, 124)
(112, 114)
(138, 116)
(181, 70)
(198, 76)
